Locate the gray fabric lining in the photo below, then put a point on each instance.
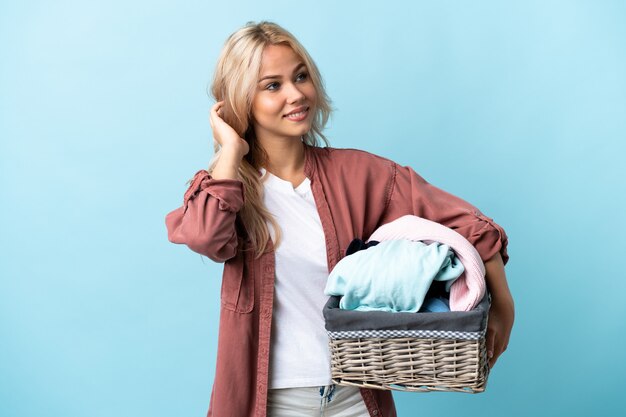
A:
(338, 320)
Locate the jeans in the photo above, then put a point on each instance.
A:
(324, 401)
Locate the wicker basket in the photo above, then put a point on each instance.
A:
(418, 352)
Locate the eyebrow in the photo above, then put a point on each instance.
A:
(300, 65)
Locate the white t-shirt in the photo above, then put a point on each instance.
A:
(299, 354)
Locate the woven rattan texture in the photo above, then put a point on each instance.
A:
(410, 364)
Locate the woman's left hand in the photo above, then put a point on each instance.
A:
(499, 325)
(502, 311)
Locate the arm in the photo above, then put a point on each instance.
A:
(206, 221)
(411, 194)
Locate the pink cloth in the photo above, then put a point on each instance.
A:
(467, 291)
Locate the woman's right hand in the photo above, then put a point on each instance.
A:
(224, 134)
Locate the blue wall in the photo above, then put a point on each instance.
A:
(518, 107)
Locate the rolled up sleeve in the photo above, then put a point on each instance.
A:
(409, 193)
(206, 220)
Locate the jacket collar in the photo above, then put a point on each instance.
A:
(309, 163)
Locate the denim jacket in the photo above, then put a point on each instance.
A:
(355, 192)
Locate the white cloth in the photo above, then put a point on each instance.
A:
(333, 400)
(299, 354)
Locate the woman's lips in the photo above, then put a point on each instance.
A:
(299, 116)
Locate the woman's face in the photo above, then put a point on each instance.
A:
(284, 103)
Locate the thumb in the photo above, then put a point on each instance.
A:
(491, 338)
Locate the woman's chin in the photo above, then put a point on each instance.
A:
(299, 132)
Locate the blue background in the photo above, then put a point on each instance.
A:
(519, 107)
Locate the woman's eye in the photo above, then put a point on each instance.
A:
(302, 76)
(272, 86)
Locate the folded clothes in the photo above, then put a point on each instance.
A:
(467, 291)
(394, 275)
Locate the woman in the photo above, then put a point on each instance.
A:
(279, 211)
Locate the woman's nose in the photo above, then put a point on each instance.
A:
(294, 94)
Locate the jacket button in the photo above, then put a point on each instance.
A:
(375, 412)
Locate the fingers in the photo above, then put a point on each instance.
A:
(499, 326)
(495, 347)
(490, 340)
(496, 354)
(214, 113)
(494, 357)
(501, 346)
(217, 108)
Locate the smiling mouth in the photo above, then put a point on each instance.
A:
(301, 115)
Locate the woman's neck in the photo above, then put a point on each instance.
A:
(286, 159)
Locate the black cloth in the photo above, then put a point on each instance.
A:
(358, 244)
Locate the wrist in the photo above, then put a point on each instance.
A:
(232, 153)
(227, 165)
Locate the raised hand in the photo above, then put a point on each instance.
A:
(224, 134)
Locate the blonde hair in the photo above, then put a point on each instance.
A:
(235, 82)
